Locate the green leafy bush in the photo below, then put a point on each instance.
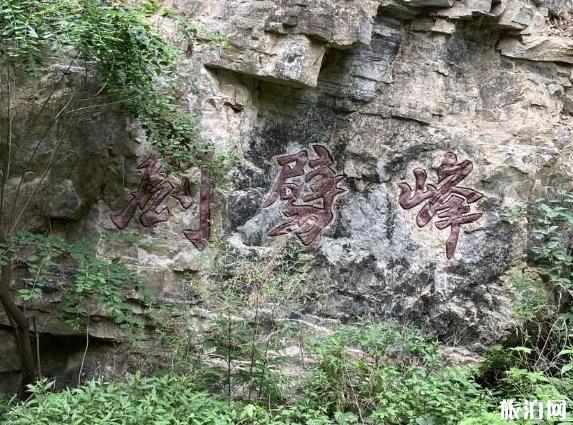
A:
(553, 247)
(166, 400)
(518, 373)
(85, 278)
(408, 386)
(4, 408)
(386, 374)
(115, 41)
(236, 351)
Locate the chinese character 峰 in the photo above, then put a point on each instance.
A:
(447, 201)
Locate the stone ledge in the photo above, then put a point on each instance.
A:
(538, 48)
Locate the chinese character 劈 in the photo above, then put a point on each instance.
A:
(309, 187)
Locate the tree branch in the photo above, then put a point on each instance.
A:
(21, 328)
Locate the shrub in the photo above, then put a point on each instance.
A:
(166, 400)
(153, 401)
(385, 374)
(85, 279)
(118, 45)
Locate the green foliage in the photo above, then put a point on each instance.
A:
(532, 384)
(4, 408)
(531, 298)
(553, 252)
(385, 374)
(88, 280)
(487, 418)
(364, 373)
(345, 385)
(441, 396)
(235, 352)
(522, 373)
(166, 400)
(540, 362)
(136, 65)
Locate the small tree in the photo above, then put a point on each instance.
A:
(114, 44)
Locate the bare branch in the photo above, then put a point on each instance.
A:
(54, 120)
(6, 171)
(46, 171)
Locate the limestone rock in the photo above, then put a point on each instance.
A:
(285, 41)
(568, 102)
(64, 202)
(465, 9)
(559, 8)
(539, 48)
(428, 3)
(514, 14)
(434, 25)
(387, 86)
(339, 24)
(294, 60)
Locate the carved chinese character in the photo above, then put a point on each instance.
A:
(200, 236)
(153, 190)
(445, 199)
(310, 188)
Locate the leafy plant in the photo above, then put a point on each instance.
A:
(537, 361)
(116, 47)
(116, 42)
(165, 400)
(531, 297)
(553, 250)
(386, 374)
(235, 351)
(86, 280)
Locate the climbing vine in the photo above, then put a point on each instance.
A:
(115, 44)
(136, 66)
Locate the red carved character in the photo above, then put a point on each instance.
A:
(309, 199)
(200, 236)
(148, 199)
(445, 199)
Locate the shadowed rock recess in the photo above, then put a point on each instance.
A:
(387, 86)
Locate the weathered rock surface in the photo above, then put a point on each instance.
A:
(539, 48)
(420, 79)
(387, 86)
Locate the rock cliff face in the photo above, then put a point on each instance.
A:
(388, 87)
